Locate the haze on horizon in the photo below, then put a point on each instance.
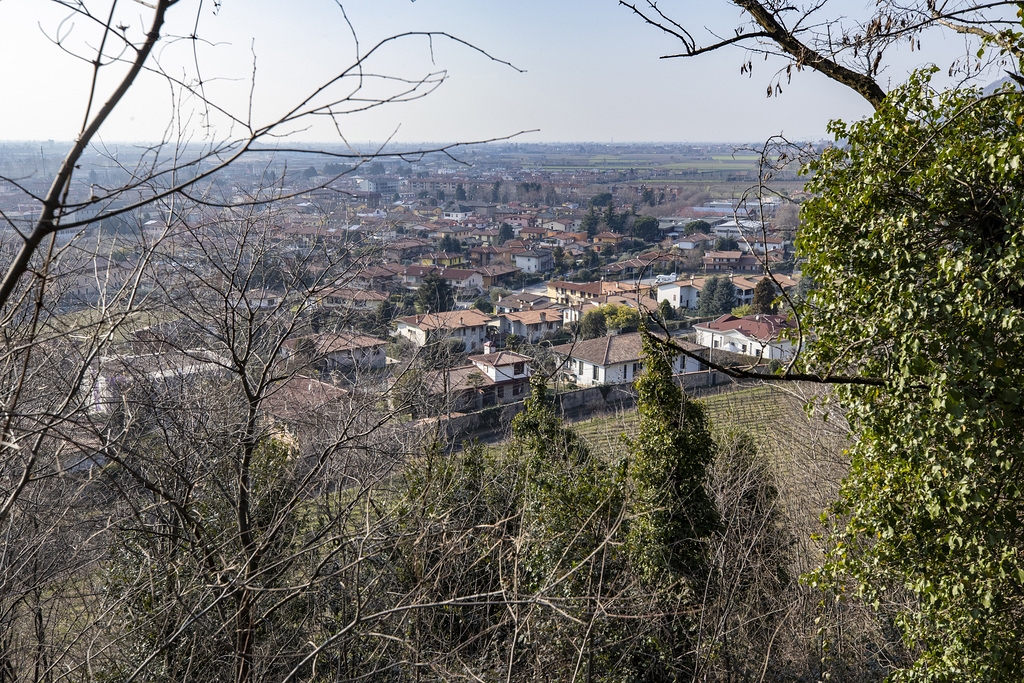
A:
(587, 76)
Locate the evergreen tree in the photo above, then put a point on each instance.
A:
(673, 513)
(725, 297)
(590, 222)
(434, 295)
(764, 296)
(670, 456)
(718, 297)
(505, 233)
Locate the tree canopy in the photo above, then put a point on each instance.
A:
(916, 234)
(434, 295)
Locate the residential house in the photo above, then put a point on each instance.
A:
(443, 259)
(488, 379)
(496, 275)
(697, 240)
(466, 282)
(351, 299)
(615, 359)
(522, 301)
(576, 313)
(573, 293)
(752, 335)
(532, 234)
(470, 326)
(761, 244)
(731, 261)
(340, 351)
(560, 225)
(530, 325)
(607, 238)
(488, 255)
(534, 261)
(406, 249)
(682, 293)
(413, 276)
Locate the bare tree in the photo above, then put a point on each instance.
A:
(849, 49)
(163, 459)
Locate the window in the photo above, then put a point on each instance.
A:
(517, 390)
(517, 369)
(594, 372)
(636, 369)
(716, 344)
(501, 392)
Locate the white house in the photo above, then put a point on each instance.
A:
(751, 335)
(470, 326)
(530, 325)
(611, 360)
(342, 350)
(683, 293)
(534, 261)
(488, 379)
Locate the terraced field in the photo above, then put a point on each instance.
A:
(756, 411)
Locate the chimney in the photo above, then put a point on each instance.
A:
(543, 317)
(489, 347)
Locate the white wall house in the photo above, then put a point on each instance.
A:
(681, 293)
(751, 335)
(534, 261)
(615, 359)
(469, 326)
(530, 325)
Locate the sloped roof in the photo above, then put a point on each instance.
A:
(500, 358)
(619, 348)
(760, 327)
(449, 320)
(535, 316)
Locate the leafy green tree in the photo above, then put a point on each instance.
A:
(646, 228)
(665, 311)
(740, 311)
(572, 510)
(804, 287)
(434, 295)
(725, 297)
(495, 191)
(669, 464)
(450, 244)
(621, 318)
(602, 199)
(917, 226)
(484, 304)
(726, 244)
(460, 193)
(615, 222)
(697, 226)
(765, 293)
(558, 254)
(593, 324)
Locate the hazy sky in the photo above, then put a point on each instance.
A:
(591, 72)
